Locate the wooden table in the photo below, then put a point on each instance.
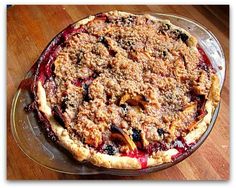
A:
(30, 28)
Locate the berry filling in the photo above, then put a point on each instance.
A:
(180, 145)
(136, 135)
(141, 156)
(204, 63)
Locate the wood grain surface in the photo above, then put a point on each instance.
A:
(30, 29)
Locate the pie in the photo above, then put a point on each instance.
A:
(124, 91)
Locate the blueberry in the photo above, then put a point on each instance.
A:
(183, 37)
(136, 135)
(79, 57)
(144, 98)
(110, 150)
(101, 39)
(95, 74)
(64, 104)
(124, 107)
(86, 93)
(164, 53)
(85, 87)
(122, 19)
(160, 131)
(114, 128)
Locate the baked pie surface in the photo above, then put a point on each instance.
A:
(125, 91)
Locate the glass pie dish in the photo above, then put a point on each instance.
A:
(36, 146)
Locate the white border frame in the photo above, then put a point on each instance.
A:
(3, 120)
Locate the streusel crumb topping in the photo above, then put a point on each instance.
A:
(126, 80)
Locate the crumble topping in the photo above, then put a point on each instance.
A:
(128, 82)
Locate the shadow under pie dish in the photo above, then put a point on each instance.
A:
(124, 91)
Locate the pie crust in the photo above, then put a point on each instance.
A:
(131, 106)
